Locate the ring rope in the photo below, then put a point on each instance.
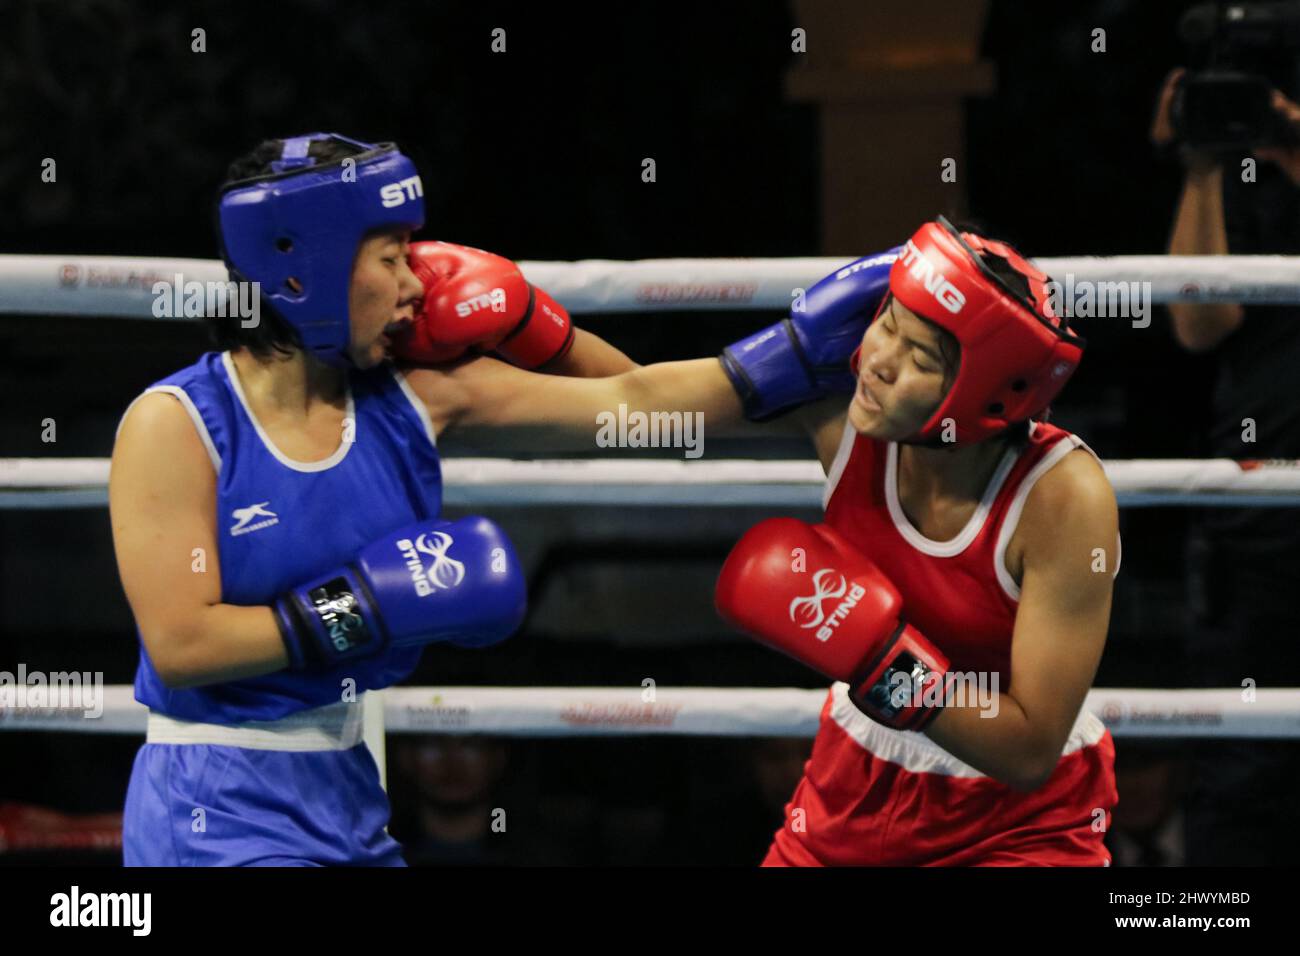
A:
(119, 286)
(498, 482)
(690, 711)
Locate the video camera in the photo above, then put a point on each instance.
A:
(1227, 105)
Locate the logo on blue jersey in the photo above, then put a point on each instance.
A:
(244, 518)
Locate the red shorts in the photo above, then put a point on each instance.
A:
(871, 796)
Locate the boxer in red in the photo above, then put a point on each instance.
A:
(959, 589)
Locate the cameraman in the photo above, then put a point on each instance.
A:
(1243, 563)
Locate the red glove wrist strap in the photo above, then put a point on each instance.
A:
(907, 684)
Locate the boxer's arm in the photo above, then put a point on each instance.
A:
(593, 357)
(823, 423)
(496, 405)
(590, 357)
(162, 495)
(1071, 536)
(600, 359)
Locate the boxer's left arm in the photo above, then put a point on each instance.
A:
(1071, 538)
(823, 423)
(496, 405)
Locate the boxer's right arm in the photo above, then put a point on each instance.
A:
(434, 580)
(590, 357)
(162, 491)
(162, 504)
(476, 301)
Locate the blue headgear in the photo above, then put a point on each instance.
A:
(296, 230)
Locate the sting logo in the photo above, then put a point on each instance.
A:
(808, 613)
(443, 571)
(924, 272)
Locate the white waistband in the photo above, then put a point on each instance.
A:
(333, 727)
(918, 753)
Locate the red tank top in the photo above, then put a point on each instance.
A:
(958, 593)
(872, 795)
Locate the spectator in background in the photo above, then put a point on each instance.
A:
(453, 806)
(1147, 827)
(453, 781)
(1243, 563)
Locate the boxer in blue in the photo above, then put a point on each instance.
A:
(275, 506)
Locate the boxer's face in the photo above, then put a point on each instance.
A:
(382, 295)
(903, 374)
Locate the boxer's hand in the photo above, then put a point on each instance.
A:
(840, 616)
(477, 301)
(457, 581)
(806, 357)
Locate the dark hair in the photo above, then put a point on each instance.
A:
(272, 333)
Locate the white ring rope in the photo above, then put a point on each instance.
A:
(123, 287)
(484, 482)
(699, 711)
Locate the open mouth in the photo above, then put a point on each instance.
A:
(866, 398)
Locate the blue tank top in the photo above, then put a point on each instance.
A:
(281, 522)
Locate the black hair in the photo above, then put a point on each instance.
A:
(272, 333)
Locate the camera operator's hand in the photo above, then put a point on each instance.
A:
(1199, 226)
(1285, 157)
(1162, 125)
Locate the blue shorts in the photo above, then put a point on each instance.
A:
(259, 808)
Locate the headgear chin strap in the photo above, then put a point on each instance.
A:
(1016, 353)
(296, 230)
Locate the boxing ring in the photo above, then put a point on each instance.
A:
(123, 288)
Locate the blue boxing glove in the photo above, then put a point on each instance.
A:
(457, 581)
(806, 356)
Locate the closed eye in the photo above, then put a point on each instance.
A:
(888, 324)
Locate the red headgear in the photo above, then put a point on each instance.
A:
(1016, 354)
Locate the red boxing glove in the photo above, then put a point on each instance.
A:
(474, 300)
(544, 334)
(841, 616)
